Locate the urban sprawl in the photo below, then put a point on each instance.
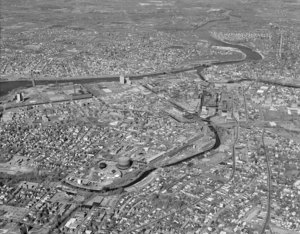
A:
(149, 129)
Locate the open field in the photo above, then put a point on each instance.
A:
(17, 165)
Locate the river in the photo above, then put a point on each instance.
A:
(7, 86)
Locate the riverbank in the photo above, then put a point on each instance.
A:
(250, 56)
(8, 86)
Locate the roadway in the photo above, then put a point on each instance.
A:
(268, 215)
(268, 82)
(245, 105)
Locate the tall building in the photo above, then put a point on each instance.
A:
(122, 79)
(19, 97)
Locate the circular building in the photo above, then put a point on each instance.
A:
(124, 163)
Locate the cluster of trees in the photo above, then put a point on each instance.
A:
(15, 179)
(166, 201)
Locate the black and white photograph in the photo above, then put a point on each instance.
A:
(149, 116)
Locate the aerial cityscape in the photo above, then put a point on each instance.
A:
(150, 116)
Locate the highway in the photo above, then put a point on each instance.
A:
(237, 131)
(268, 82)
(245, 105)
(268, 215)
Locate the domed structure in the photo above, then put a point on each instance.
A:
(124, 163)
(102, 165)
